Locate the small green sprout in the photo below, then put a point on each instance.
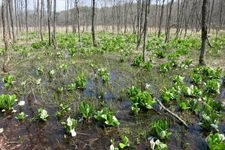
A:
(42, 114)
(70, 126)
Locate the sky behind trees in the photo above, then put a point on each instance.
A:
(61, 3)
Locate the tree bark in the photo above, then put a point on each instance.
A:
(161, 18)
(41, 20)
(26, 20)
(78, 18)
(67, 14)
(54, 26)
(204, 33)
(147, 10)
(5, 40)
(210, 16)
(49, 21)
(12, 20)
(168, 22)
(93, 24)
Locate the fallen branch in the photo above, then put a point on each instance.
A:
(171, 113)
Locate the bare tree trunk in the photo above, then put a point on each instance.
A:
(8, 20)
(210, 16)
(179, 16)
(156, 15)
(20, 20)
(41, 20)
(74, 30)
(186, 19)
(93, 24)
(138, 16)
(11, 20)
(26, 20)
(67, 14)
(220, 17)
(125, 17)
(140, 33)
(5, 40)
(204, 32)
(113, 16)
(78, 19)
(49, 21)
(147, 10)
(38, 16)
(161, 18)
(168, 22)
(54, 26)
(16, 16)
(118, 17)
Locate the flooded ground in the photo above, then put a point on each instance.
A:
(38, 90)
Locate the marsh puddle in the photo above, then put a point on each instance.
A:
(222, 93)
(95, 88)
(51, 134)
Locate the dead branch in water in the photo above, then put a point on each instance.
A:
(171, 113)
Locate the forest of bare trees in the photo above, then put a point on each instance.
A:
(181, 15)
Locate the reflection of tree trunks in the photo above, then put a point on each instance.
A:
(204, 32)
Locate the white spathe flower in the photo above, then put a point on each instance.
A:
(3, 110)
(1, 130)
(21, 103)
(222, 137)
(73, 132)
(188, 90)
(112, 147)
(23, 83)
(38, 81)
(152, 143)
(14, 110)
(147, 85)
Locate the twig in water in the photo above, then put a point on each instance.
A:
(171, 113)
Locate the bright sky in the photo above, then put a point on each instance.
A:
(61, 3)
